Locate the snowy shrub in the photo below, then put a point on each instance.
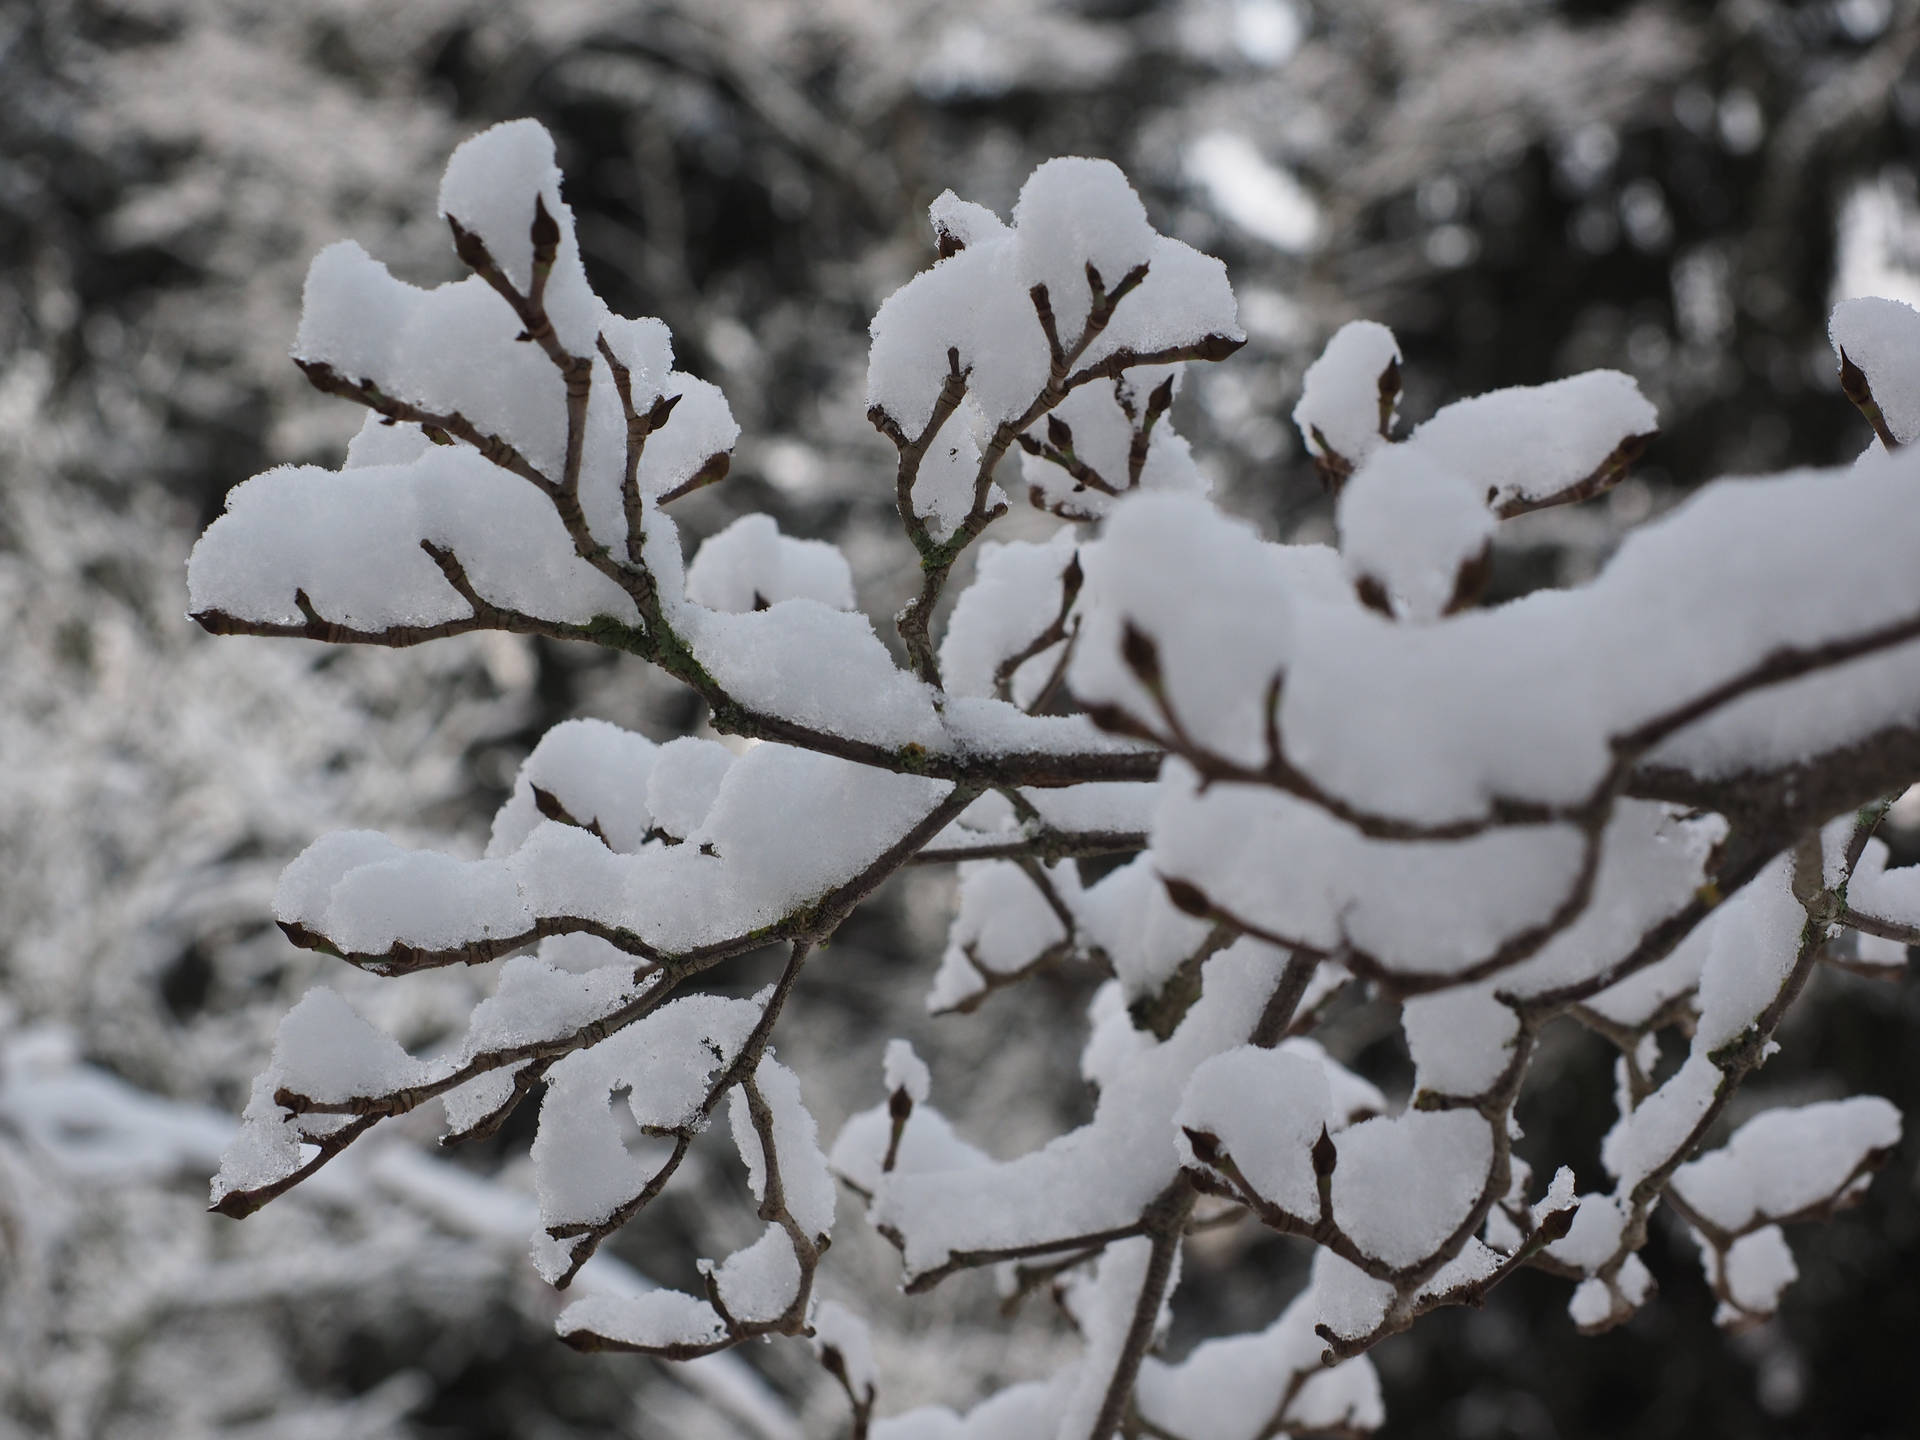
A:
(1644, 806)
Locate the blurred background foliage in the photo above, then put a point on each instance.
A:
(1520, 188)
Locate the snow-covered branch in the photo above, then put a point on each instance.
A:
(1641, 805)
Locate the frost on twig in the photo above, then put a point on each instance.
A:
(1644, 805)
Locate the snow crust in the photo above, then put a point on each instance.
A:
(906, 1072)
(1297, 875)
(1097, 1177)
(684, 783)
(805, 1181)
(1405, 1182)
(1430, 723)
(1014, 595)
(351, 541)
(1103, 420)
(1003, 926)
(1072, 213)
(1128, 917)
(583, 1167)
(1532, 442)
(652, 1321)
(1231, 1389)
(840, 1328)
(1010, 601)
(818, 666)
(1461, 1040)
(600, 775)
(1782, 1162)
(737, 871)
(757, 1284)
(1757, 1268)
(1266, 1107)
(751, 565)
(1411, 525)
(1892, 895)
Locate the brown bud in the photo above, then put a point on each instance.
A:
(1206, 1145)
(1161, 400)
(1853, 380)
(545, 233)
(831, 1360)
(1373, 595)
(661, 409)
(1186, 896)
(1555, 1225)
(471, 249)
(1471, 579)
(1072, 577)
(899, 1106)
(1215, 347)
(1326, 1154)
(1059, 434)
(1140, 652)
(1389, 393)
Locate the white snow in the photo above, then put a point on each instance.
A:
(757, 1284)
(1339, 408)
(750, 565)
(1073, 214)
(1128, 917)
(840, 1328)
(351, 540)
(1430, 723)
(804, 1178)
(1014, 596)
(738, 871)
(1782, 1162)
(1530, 443)
(1403, 1184)
(327, 1051)
(1411, 524)
(684, 782)
(583, 1166)
(906, 1071)
(1882, 337)
(598, 772)
(1003, 926)
(1094, 1178)
(1891, 895)
(1266, 1108)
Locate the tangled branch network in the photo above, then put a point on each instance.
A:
(1644, 805)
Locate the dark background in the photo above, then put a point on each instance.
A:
(1520, 189)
